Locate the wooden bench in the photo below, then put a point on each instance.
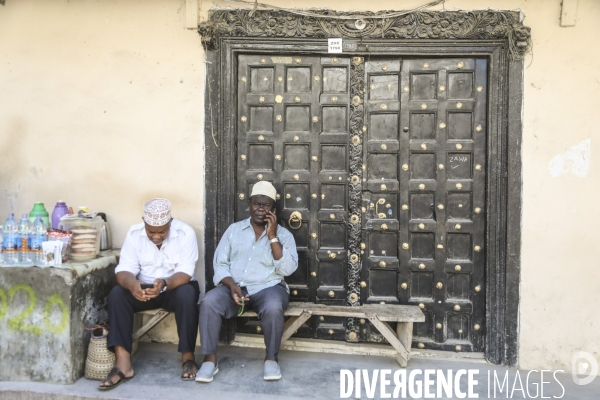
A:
(299, 313)
(157, 314)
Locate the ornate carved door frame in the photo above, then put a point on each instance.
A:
(498, 36)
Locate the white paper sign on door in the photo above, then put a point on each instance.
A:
(335, 45)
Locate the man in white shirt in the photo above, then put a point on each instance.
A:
(156, 270)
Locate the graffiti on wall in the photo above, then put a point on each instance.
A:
(20, 321)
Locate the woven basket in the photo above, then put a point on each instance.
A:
(99, 360)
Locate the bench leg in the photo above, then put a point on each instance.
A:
(390, 335)
(138, 322)
(404, 331)
(159, 316)
(292, 325)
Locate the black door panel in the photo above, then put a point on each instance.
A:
(380, 172)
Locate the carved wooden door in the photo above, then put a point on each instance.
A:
(293, 131)
(380, 169)
(424, 199)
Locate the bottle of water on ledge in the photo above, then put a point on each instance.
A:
(9, 253)
(23, 241)
(38, 235)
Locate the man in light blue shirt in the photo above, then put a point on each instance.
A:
(251, 260)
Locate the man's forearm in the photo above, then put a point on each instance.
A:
(177, 279)
(228, 281)
(125, 279)
(277, 250)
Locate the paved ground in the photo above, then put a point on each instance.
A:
(305, 375)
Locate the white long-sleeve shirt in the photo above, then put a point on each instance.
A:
(141, 257)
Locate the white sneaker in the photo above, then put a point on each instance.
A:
(271, 371)
(207, 372)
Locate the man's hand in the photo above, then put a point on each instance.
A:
(236, 294)
(155, 291)
(236, 291)
(135, 287)
(271, 224)
(128, 281)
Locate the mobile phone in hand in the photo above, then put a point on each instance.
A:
(147, 285)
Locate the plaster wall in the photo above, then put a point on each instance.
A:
(102, 105)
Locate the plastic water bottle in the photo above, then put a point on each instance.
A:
(38, 235)
(9, 253)
(23, 241)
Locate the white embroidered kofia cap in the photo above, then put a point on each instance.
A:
(157, 212)
(264, 188)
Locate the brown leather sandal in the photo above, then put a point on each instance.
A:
(111, 374)
(188, 368)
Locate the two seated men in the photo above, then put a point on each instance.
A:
(156, 270)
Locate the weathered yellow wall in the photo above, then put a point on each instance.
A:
(101, 104)
(559, 277)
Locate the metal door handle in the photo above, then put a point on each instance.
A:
(296, 217)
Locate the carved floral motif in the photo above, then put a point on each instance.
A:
(357, 71)
(456, 25)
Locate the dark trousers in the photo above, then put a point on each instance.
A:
(269, 304)
(183, 301)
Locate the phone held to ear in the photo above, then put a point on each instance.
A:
(147, 285)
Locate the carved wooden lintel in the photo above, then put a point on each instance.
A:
(440, 25)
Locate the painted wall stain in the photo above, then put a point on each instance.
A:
(575, 161)
(53, 301)
(18, 322)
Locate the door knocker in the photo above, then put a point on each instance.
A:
(296, 217)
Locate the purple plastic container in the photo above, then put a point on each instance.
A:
(60, 209)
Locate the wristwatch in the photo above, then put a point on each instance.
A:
(274, 240)
(164, 284)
